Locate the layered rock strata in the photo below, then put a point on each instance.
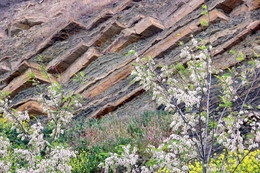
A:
(95, 41)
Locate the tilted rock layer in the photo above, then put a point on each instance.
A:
(93, 37)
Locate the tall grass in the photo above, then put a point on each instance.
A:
(97, 137)
(147, 128)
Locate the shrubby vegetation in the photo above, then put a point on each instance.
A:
(94, 139)
(32, 145)
(249, 164)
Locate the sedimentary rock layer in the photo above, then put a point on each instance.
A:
(95, 42)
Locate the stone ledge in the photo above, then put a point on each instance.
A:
(253, 4)
(109, 107)
(182, 12)
(101, 18)
(239, 10)
(32, 107)
(60, 64)
(21, 69)
(228, 5)
(110, 31)
(172, 39)
(22, 81)
(128, 36)
(96, 90)
(148, 26)
(63, 33)
(254, 26)
(82, 62)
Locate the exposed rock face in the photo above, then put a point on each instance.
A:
(94, 36)
(8, 3)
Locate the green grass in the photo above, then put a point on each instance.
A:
(94, 138)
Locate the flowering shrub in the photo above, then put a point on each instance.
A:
(128, 159)
(200, 126)
(250, 163)
(41, 152)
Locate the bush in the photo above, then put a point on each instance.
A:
(250, 163)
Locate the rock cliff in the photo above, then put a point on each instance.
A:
(93, 37)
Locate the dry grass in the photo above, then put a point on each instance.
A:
(141, 130)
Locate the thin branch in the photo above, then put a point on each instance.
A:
(19, 123)
(177, 107)
(249, 90)
(240, 161)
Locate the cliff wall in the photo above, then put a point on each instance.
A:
(93, 37)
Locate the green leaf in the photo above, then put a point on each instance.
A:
(151, 162)
(204, 6)
(156, 149)
(204, 22)
(130, 52)
(230, 71)
(58, 85)
(171, 66)
(240, 59)
(191, 87)
(250, 136)
(232, 52)
(256, 55)
(45, 75)
(82, 74)
(248, 107)
(165, 146)
(212, 124)
(136, 64)
(226, 104)
(241, 56)
(175, 141)
(32, 75)
(219, 77)
(38, 157)
(6, 93)
(180, 66)
(252, 62)
(203, 47)
(40, 58)
(204, 114)
(104, 154)
(180, 43)
(160, 65)
(227, 74)
(204, 13)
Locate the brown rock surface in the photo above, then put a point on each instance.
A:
(32, 107)
(93, 37)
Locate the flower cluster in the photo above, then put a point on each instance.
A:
(4, 145)
(127, 159)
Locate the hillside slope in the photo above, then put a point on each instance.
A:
(93, 37)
